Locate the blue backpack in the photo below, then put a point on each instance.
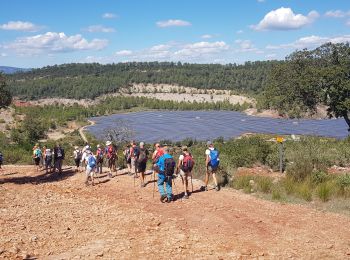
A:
(214, 158)
(37, 153)
(91, 161)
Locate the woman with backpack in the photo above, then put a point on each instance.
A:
(212, 164)
(99, 159)
(90, 167)
(142, 163)
(111, 155)
(77, 156)
(127, 156)
(37, 155)
(1, 160)
(184, 167)
(48, 159)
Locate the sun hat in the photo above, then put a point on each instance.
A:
(108, 143)
(209, 143)
(98, 146)
(142, 144)
(76, 147)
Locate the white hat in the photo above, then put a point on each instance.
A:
(142, 144)
(98, 146)
(88, 151)
(108, 143)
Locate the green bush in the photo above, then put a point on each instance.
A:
(289, 185)
(276, 193)
(318, 177)
(304, 191)
(264, 184)
(324, 191)
(343, 182)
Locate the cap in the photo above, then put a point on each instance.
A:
(108, 143)
(98, 146)
(142, 144)
(209, 143)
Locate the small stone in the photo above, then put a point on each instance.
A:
(330, 246)
(25, 255)
(100, 254)
(34, 239)
(68, 228)
(158, 224)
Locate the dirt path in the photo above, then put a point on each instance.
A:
(57, 217)
(81, 131)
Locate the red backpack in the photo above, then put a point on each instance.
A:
(187, 163)
(111, 152)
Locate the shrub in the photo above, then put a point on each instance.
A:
(276, 193)
(324, 191)
(264, 184)
(241, 182)
(288, 185)
(304, 191)
(343, 182)
(300, 169)
(318, 177)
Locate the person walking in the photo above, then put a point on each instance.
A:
(84, 155)
(48, 159)
(99, 159)
(127, 156)
(90, 167)
(166, 165)
(184, 167)
(212, 164)
(111, 155)
(58, 153)
(77, 156)
(37, 155)
(134, 152)
(142, 163)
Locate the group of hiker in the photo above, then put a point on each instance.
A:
(50, 159)
(136, 158)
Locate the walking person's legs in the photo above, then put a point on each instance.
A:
(169, 190)
(160, 182)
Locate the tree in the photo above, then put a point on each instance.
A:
(5, 95)
(311, 77)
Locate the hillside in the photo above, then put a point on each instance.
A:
(11, 70)
(59, 218)
(91, 80)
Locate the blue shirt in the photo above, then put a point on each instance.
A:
(161, 162)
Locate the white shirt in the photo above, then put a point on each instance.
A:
(207, 152)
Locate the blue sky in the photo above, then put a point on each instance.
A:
(36, 33)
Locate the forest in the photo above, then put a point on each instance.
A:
(90, 80)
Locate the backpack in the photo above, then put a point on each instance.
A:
(169, 166)
(1, 158)
(187, 163)
(214, 158)
(91, 161)
(136, 152)
(110, 152)
(99, 155)
(37, 153)
(59, 152)
(158, 155)
(142, 156)
(48, 153)
(78, 154)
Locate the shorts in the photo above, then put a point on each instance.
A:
(133, 162)
(128, 161)
(141, 166)
(183, 174)
(89, 171)
(111, 162)
(37, 161)
(212, 169)
(77, 162)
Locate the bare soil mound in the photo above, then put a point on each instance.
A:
(57, 217)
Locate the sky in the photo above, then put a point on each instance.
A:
(37, 33)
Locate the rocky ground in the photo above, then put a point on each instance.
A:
(57, 217)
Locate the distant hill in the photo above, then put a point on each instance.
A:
(11, 70)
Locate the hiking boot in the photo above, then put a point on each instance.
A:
(163, 198)
(217, 187)
(110, 175)
(169, 200)
(143, 185)
(186, 196)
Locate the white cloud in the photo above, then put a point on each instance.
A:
(3, 54)
(284, 19)
(239, 31)
(124, 53)
(245, 46)
(54, 42)
(271, 56)
(337, 14)
(109, 16)
(172, 22)
(261, 1)
(207, 36)
(20, 26)
(348, 23)
(310, 42)
(201, 48)
(160, 47)
(99, 28)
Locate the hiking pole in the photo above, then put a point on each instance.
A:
(192, 183)
(154, 182)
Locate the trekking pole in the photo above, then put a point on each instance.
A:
(154, 182)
